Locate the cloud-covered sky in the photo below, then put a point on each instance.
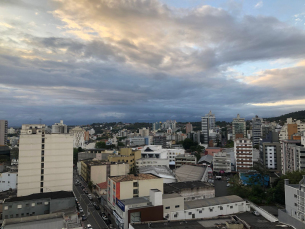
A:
(150, 60)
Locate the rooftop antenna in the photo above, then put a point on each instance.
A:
(40, 121)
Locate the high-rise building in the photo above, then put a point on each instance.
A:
(59, 128)
(3, 132)
(207, 124)
(144, 132)
(78, 137)
(239, 128)
(189, 128)
(157, 126)
(45, 161)
(256, 130)
(243, 152)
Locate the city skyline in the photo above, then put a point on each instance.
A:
(146, 61)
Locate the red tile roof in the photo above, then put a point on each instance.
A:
(102, 185)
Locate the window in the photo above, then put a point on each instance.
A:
(177, 206)
(46, 203)
(221, 208)
(200, 211)
(5, 207)
(231, 206)
(11, 216)
(22, 214)
(167, 207)
(17, 215)
(190, 213)
(211, 209)
(33, 204)
(295, 204)
(33, 213)
(19, 206)
(8, 174)
(295, 196)
(135, 191)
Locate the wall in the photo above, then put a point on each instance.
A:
(154, 213)
(61, 204)
(7, 181)
(211, 211)
(84, 155)
(290, 200)
(169, 204)
(98, 174)
(146, 185)
(287, 219)
(292, 129)
(264, 213)
(126, 190)
(119, 169)
(196, 194)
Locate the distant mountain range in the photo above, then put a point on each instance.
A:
(298, 115)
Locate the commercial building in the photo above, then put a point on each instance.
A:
(239, 128)
(59, 128)
(222, 162)
(126, 155)
(191, 190)
(243, 152)
(45, 161)
(3, 132)
(185, 159)
(8, 180)
(270, 151)
(207, 124)
(38, 204)
(208, 208)
(188, 128)
(11, 131)
(98, 171)
(160, 140)
(294, 212)
(256, 130)
(78, 137)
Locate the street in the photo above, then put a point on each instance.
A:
(94, 218)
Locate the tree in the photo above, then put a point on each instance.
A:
(100, 145)
(121, 144)
(134, 169)
(187, 143)
(90, 185)
(80, 149)
(15, 153)
(256, 146)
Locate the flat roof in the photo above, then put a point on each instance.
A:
(131, 177)
(51, 195)
(212, 202)
(178, 186)
(169, 196)
(135, 200)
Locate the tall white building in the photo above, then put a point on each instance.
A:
(3, 132)
(45, 161)
(78, 137)
(207, 124)
(59, 128)
(243, 152)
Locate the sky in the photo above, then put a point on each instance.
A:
(87, 61)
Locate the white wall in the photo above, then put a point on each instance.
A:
(7, 181)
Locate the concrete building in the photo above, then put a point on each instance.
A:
(188, 128)
(185, 159)
(78, 137)
(157, 126)
(126, 155)
(294, 213)
(243, 152)
(3, 132)
(293, 155)
(208, 208)
(8, 180)
(11, 131)
(144, 132)
(160, 140)
(45, 161)
(270, 151)
(191, 190)
(222, 162)
(290, 128)
(207, 124)
(256, 130)
(38, 204)
(59, 128)
(130, 186)
(239, 128)
(98, 171)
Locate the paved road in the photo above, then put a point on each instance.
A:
(94, 218)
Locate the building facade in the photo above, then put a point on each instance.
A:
(78, 137)
(8, 180)
(188, 127)
(207, 124)
(239, 128)
(59, 128)
(45, 161)
(222, 162)
(185, 159)
(256, 130)
(243, 152)
(3, 132)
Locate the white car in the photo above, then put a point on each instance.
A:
(89, 226)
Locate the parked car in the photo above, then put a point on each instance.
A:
(256, 213)
(96, 206)
(89, 226)
(84, 217)
(89, 196)
(85, 191)
(81, 210)
(104, 216)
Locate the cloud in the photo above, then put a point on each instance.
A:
(259, 5)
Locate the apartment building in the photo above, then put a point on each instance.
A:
(222, 162)
(59, 128)
(3, 132)
(243, 152)
(130, 186)
(45, 161)
(98, 171)
(188, 128)
(78, 137)
(239, 128)
(290, 128)
(126, 155)
(256, 130)
(185, 159)
(160, 140)
(207, 124)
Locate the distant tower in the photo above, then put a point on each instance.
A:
(207, 123)
(238, 127)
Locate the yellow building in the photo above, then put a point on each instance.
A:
(126, 155)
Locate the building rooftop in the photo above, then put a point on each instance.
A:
(94, 163)
(189, 173)
(102, 185)
(206, 158)
(135, 200)
(51, 195)
(179, 186)
(161, 171)
(169, 196)
(131, 177)
(212, 202)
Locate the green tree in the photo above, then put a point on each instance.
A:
(100, 145)
(90, 185)
(188, 143)
(15, 153)
(80, 149)
(121, 144)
